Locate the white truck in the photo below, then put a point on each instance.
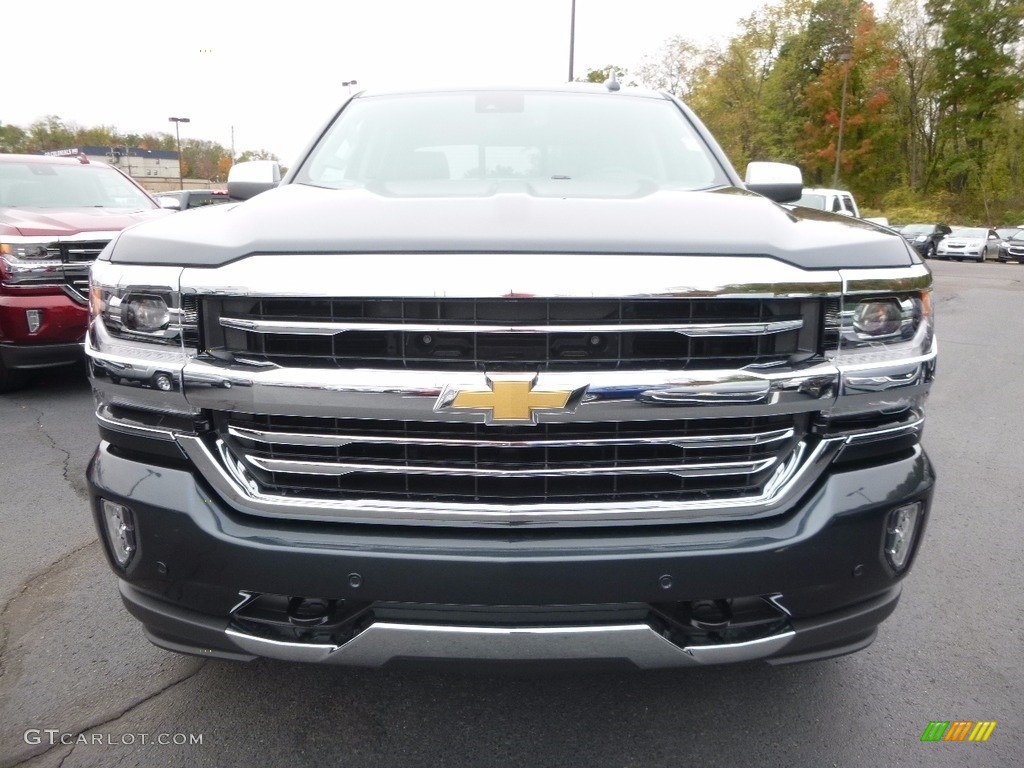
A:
(834, 200)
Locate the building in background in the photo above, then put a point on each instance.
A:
(154, 169)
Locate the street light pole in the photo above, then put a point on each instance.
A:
(845, 58)
(572, 38)
(350, 83)
(177, 135)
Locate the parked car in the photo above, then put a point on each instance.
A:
(834, 200)
(183, 199)
(924, 237)
(1012, 248)
(1005, 233)
(56, 215)
(976, 243)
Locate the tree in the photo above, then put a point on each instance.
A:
(202, 157)
(978, 70)
(223, 167)
(867, 70)
(915, 98)
(260, 154)
(604, 74)
(730, 90)
(48, 133)
(674, 69)
(12, 139)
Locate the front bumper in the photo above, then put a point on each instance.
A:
(36, 356)
(610, 595)
(57, 341)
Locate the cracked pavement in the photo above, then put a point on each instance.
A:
(56, 627)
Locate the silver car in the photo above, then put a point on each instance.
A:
(976, 243)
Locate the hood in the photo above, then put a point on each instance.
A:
(48, 222)
(508, 218)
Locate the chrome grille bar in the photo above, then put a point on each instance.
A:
(337, 469)
(679, 441)
(300, 328)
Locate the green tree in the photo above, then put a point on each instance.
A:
(48, 133)
(978, 71)
(259, 154)
(915, 96)
(868, 71)
(731, 88)
(674, 69)
(604, 74)
(12, 139)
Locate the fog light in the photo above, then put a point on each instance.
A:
(120, 531)
(900, 533)
(164, 383)
(34, 318)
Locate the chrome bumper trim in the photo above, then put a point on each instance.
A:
(640, 644)
(106, 419)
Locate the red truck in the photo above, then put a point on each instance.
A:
(56, 215)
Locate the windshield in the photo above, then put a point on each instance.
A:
(56, 185)
(458, 142)
(812, 201)
(974, 233)
(918, 229)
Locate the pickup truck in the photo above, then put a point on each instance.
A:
(184, 199)
(56, 215)
(512, 375)
(834, 200)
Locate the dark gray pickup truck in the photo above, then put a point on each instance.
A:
(512, 375)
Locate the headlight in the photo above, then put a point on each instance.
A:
(877, 318)
(29, 262)
(888, 319)
(26, 251)
(921, 238)
(147, 314)
(141, 313)
(887, 349)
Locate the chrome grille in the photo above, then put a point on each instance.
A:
(75, 257)
(77, 251)
(514, 333)
(352, 459)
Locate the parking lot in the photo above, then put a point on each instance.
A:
(80, 685)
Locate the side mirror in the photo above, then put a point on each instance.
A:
(170, 203)
(248, 179)
(780, 182)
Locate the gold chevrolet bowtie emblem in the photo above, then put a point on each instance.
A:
(511, 399)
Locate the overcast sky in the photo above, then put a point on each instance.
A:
(274, 70)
